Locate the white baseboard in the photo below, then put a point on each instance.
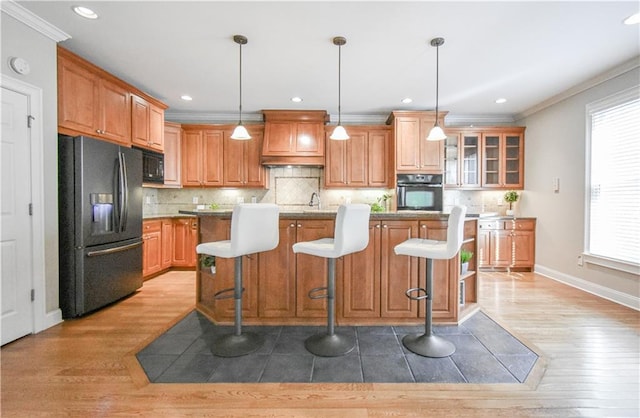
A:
(589, 287)
(50, 319)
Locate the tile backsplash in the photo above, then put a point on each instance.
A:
(291, 189)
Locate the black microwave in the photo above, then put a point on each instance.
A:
(152, 167)
(420, 192)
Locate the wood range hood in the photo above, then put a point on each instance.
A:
(294, 137)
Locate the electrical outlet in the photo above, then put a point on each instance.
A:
(580, 261)
(147, 200)
(195, 200)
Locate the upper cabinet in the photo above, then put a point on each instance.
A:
(484, 158)
(414, 154)
(92, 102)
(172, 154)
(147, 124)
(211, 158)
(362, 161)
(293, 137)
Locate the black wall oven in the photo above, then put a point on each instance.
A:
(419, 192)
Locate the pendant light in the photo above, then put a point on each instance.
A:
(339, 133)
(240, 132)
(437, 134)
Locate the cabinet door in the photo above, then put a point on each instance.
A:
(378, 158)
(407, 144)
(484, 248)
(491, 161)
(172, 155)
(151, 247)
(309, 139)
(279, 138)
(501, 248)
(335, 171)
(523, 249)
(398, 272)
(192, 158)
(114, 112)
(276, 277)
(256, 175)
(445, 289)
(470, 157)
(156, 128)
(234, 164)
(181, 241)
(513, 162)
(139, 121)
(311, 271)
(167, 244)
(452, 161)
(212, 158)
(192, 257)
(359, 294)
(431, 152)
(77, 97)
(357, 160)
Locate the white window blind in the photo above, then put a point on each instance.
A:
(613, 176)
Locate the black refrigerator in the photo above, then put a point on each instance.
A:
(100, 223)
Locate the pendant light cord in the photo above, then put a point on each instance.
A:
(437, 78)
(240, 99)
(339, 84)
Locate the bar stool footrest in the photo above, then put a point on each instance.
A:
(428, 345)
(222, 294)
(313, 293)
(329, 345)
(416, 290)
(232, 345)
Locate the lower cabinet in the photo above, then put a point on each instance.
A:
(168, 243)
(151, 247)
(506, 244)
(370, 285)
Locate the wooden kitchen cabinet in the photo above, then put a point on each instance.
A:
(296, 134)
(202, 156)
(185, 240)
(147, 124)
(506, 244)
(414, 154)
(90, 102)
(503, 159)
(167, 244)
(241, 162)
(361, 161)
(151, 247)
(172, 154)
(462, 160)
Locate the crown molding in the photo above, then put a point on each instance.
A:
(32, 20)
(201, 117)
(592, 82)
(478, 119)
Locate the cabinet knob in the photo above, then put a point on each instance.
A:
(299, 225)
(292, 225)
(423, 226)
(378, 226)
(384, 226)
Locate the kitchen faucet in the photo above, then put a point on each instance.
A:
(311, 203)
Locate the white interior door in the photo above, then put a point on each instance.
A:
(15, 242)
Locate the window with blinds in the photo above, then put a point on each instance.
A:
(613, 182)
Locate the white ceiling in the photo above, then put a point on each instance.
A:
(526, 52)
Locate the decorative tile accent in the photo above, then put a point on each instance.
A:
(183, 354)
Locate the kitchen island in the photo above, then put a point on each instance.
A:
(370, 284)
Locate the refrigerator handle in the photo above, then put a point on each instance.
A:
(125, 193)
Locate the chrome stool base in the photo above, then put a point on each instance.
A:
(428, 345)
(329, 345)
(232, 345)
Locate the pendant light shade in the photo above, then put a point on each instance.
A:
(339, 133)
(240, 132)
(437, 134)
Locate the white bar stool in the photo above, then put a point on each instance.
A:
(351, 235)
(254, 228)
(427, 344)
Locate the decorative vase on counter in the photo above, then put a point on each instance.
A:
(464, 268)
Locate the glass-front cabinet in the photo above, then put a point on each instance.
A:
(503, 160)
(462, 160)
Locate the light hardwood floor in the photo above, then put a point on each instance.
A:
(590, 367)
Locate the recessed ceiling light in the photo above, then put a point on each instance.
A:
(296, 99)
(85, 12)
(407, 100)
(186, 98)
(501, 100)
(633, 19)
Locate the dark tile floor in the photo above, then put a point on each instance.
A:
(485, 353)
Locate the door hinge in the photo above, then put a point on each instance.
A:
(33, 295)
(29, 119)
(30, 209)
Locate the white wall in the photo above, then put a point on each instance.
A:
(18, 40)
(555, 147)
